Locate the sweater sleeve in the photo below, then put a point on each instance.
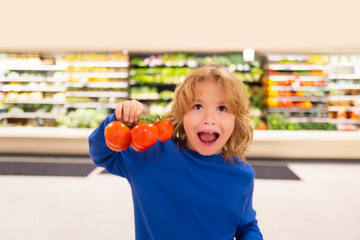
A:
(101, 154)
(123, 163)
(249, 230)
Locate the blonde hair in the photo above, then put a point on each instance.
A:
(237, 97)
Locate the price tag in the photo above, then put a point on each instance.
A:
(192, 63)
(240, 67)
(296, 83)
(246, 67)
(357, 71)
(181, 63)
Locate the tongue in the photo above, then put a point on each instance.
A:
(207, 137)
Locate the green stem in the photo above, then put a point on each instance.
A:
(158, 118)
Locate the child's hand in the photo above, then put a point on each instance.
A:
(129, 110)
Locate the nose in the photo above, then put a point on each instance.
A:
(209, 123)
(209, 118)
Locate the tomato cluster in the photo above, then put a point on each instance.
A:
(118, 136)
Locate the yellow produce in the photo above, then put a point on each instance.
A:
(11, 96)
(273, 93)
(35, 95)
(317, 59)
(272, 102)
(23, 96)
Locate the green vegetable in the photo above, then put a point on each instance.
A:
(82, 118)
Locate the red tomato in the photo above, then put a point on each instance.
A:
(144, 135)
(287, 82)
(117, 134)
(136, 148)
(165, 129)
(117, 149)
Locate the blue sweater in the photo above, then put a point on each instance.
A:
(180, 194)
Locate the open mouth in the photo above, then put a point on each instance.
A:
(208, 137)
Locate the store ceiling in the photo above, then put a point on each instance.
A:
(160, 25)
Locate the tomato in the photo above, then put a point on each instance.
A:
(117, 134)
(287, 82)
(165, 129)
(144, 135)
(117, 149)
(136, 148)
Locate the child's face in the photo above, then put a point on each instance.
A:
(209, 121)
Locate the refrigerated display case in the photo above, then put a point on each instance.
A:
(61, 89)
(312, 92)
(95, 83)
(56, 91)
(33, 89)
(273, 144)
(153, 77)
(344, 91)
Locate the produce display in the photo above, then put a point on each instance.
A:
(295, 88)
(71, 82)
(158, 107)
(33, 89)
(256, 95)
(81, 117)
(101, 57)
(344, 91)
(250, 71)
(95, 79)
(278, 121)
(150, 93)
(153, 77)
(313, 92)
(140, 136)
(286, 91)
(165, 75)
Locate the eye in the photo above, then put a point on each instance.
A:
(222, 108)
(197, 107)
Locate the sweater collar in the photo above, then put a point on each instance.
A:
(195, 154)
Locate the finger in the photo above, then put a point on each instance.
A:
(138, 111)
(118, 111)
(126, 110)
(133, 106)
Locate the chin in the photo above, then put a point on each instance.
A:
(205, 149)
(208, 152)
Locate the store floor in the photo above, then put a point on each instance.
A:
(58, 197)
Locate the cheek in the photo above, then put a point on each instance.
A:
(186, 123)
(189, 118)
(230, 125)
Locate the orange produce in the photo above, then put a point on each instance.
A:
(355, 115)
(307, 104)
(262, 126)
(288, 93)
(300, 93)
(289, 104)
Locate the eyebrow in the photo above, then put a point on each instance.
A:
(219, 103)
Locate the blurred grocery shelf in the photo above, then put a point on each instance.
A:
(306, 144)
(44, 140)
(266, 144)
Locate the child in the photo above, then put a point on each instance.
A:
(198, 184)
